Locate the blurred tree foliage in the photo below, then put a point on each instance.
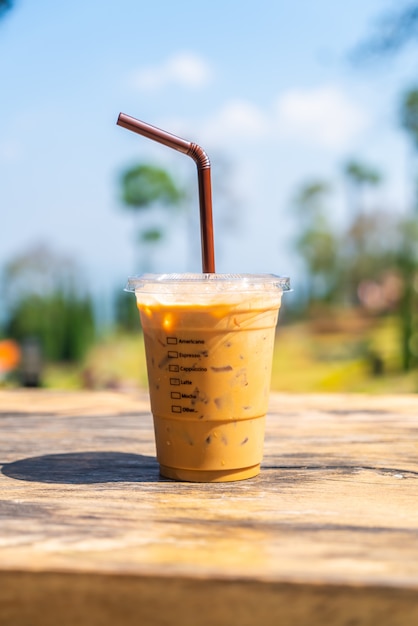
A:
(146, 191)
(407, 256)
(409, 114)
(365, 244)
(337, 261)
(126, 312)
(393, 30)
(372, 262)
(5, 5)
(145, 185)
(43, 300)
(359, 176)
(316, 243)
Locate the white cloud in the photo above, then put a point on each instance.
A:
(10, 151)
(237, 119)
(323, 115)
(185, 68)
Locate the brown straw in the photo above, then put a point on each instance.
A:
(203, 173)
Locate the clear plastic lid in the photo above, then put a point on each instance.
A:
(207, 283)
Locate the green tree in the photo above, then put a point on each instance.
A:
(145, 189)
(407, 254)
(409, 114)
(63, 323)
(337, 262)
(359, 177)
(316, 242)
(126, 312)
(5, 5)
(368, 249)
(364, 242)
(150, 194)
(409, 122)
(42, 298)
(407, 265)
(144, 185)
(392, 31)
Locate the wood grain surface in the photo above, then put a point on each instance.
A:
(91, 534)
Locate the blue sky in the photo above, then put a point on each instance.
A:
(266, 88)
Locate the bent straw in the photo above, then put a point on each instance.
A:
(204, 180)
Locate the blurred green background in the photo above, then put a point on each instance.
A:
(352, 324)
(354, 328)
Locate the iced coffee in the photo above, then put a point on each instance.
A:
(209, 342)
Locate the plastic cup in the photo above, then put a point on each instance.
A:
(209, 342)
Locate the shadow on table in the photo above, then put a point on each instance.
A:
(84, 468)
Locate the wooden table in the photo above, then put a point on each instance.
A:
(91, 535)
